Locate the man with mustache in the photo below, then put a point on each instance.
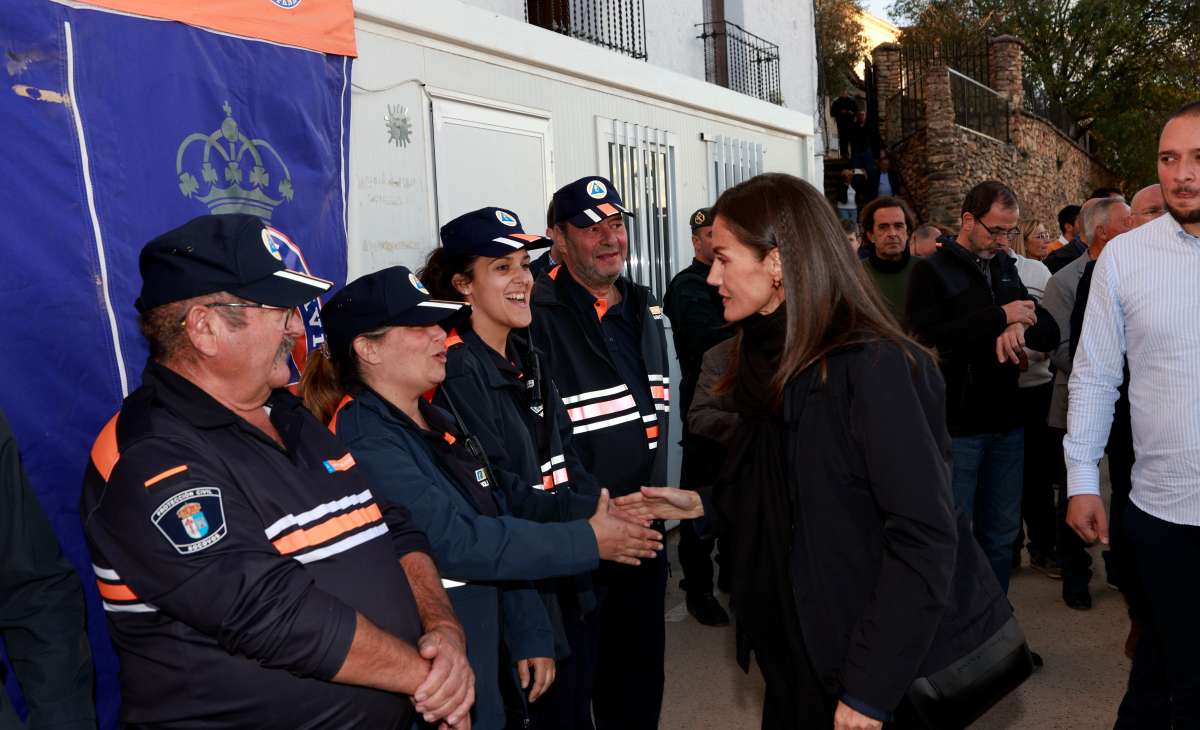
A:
(606, 350)
(1141, 307)
(249, 577)
(886, 222)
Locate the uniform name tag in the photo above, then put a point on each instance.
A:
(192, 520)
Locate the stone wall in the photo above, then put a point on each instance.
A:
(942, 161)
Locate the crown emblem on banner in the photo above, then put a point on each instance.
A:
(236, 171)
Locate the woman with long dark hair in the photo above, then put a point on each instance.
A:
(855, 575)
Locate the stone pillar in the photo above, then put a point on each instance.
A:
(1005, 59)
(943, 164)
(886, 60)
(1006, 56)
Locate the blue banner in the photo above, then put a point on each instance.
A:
(119, 128)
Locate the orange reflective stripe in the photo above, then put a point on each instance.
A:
(333, 421)
(104, 450)
(652, 432)
(607, 209)
(168, 473)
(548, 483)
(529, 237)
(116, 591)
(449, 438)
(554, 272)
(327, 530)
(658, 391)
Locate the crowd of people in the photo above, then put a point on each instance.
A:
(456, 519)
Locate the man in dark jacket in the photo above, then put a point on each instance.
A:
(41, 609)
(885, 181)
(604, 340)
(240, 553)
(697, 324)
(970, 304)
(843, 110)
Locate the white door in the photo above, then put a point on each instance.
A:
(491, 153)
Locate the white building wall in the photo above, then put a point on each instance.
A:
(410, 54)
(790, 25)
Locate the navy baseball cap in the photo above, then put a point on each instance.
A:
(701, 218)
(234, 253)
(387, 298)
(491, 232)
(587, 201)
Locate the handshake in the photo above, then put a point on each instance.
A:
(621, 525)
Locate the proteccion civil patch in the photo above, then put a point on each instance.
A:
(192, 520)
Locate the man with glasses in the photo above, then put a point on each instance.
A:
(971, 306)
(248, 575)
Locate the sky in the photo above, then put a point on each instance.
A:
(877, 7)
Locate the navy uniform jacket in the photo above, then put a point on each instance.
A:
(519, 418)
(614, 423)
(479, 556)
(41, 609)
(231, 568)
(542, 479)
(697, 325)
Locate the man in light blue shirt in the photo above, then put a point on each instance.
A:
(1145, 304)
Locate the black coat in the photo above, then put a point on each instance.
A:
(889, 582)
(952, 307)
(41, 608)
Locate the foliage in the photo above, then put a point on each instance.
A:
(1120, 67)
(840, 44)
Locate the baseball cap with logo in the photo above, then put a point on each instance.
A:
(386, 298)
(233, 253)
(701, 218)
(491, 232)
(587, 201)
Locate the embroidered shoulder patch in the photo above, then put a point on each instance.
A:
(192, 520)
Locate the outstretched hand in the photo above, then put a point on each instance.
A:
(663, 503)
(619, 539)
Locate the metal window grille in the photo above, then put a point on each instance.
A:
(732, 160)
(618, 25)
(978, 107)
(739, 60)
(641, 164)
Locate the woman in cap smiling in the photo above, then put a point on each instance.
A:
(500, 383)
(385, 349)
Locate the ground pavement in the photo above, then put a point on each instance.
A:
(1079, 688)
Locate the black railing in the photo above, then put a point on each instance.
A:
(905, 115)
(1039, 103)
(618, 25)
(978, 107)
(740, 60)
(906, 109)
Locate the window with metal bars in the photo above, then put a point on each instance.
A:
(618, 25)
(730, 162)
(641, 164)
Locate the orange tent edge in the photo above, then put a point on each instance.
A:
(326, 26)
